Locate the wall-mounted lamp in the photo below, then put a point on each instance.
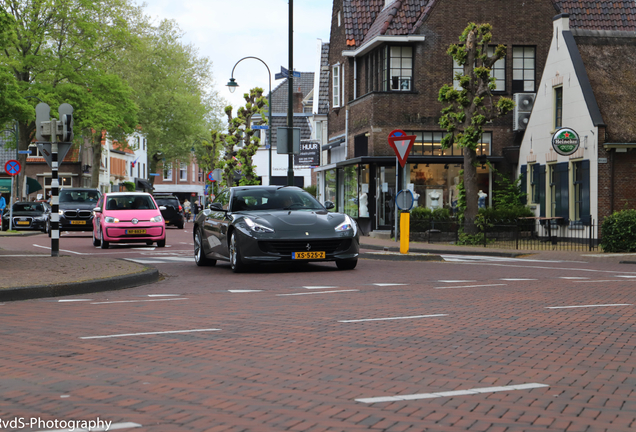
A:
(446, 166)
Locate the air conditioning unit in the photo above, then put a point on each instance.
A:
(523, 108)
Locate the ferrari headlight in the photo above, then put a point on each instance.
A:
(348, 224)
(109, 219)
(156, 219)
(256, 227)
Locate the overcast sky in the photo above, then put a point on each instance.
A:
(227, 30)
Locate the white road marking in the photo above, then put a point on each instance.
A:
(61, 250)
(244, 291)
(41, 256)
(138, 301)
(456, 281)
(394, 318)
(452, 393)
(65, 396)
(517, 279)
(74, 300)
(600, 280)
(317, 292)
(470, 286)
(320, 287)
(626, 276)
(147, 248)
(149, 333)
(161, 260)
(589, 306)
(486, 258)
(113, 426)
(164, 295)
(541, 267)
(388, 284)
(572, 277)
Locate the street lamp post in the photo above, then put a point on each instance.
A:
(232, 85)
(290, 99)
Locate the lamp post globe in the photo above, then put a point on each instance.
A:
(232, 85)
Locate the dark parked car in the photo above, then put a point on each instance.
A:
(265, 224)
(76, 208)
(29, 216)
(173, 214)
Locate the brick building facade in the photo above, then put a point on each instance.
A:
(387, 62)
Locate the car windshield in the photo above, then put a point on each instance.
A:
(273, 199)
(80, 196)
(129, 202)
(37, 207)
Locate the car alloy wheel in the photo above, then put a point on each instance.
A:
(96, 241)
(199, 253)
(105, 244)
(235, 255)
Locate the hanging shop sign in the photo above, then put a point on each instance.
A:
(565, 141)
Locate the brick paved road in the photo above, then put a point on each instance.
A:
(285, 362)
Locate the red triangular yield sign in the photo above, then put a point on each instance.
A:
(402, 146)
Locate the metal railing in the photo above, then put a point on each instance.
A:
(520, 233)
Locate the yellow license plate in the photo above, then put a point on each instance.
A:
(308, 255)
(22, 223)
(136, 231)
(78, 222)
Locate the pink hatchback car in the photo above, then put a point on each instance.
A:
(128, 217)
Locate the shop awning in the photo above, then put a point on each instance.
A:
(33, 185)
(5, 185)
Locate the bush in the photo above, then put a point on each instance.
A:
(426, 213)
(312, 190)
(511, 214)
(618, 232)
(129, 186)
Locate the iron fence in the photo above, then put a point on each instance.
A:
(520, 233)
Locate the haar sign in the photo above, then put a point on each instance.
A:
(565, 141)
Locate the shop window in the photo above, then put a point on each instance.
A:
(351, 194)
(523, 69)
(430, 144)
(330, 187)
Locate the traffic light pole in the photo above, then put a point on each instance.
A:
(55, 203)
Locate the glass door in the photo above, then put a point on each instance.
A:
(385, 192)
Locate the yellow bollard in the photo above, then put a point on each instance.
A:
(405, 232)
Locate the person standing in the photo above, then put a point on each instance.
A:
(195, 209)
(3, 205)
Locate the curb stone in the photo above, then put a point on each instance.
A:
(85, 287)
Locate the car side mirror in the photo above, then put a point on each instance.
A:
(97, 210)
(215, 206)
(329, 205)
(162, 208)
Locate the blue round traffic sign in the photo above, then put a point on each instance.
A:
(405, 199)
(211, 176)
(12, 167)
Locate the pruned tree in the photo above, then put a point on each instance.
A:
(239, 131)
(472, 106)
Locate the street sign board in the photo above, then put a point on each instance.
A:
(42, 114)
(309, 154)
(154, 174)
(401, 144)
(12, 167)
(279, 76)
(281, 140)
(565, 141)
(296, 74)
(211, 176)
(265, 127)
(405, 199)
(45, 150)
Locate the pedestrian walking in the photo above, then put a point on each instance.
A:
(195, 209)
(186, 209)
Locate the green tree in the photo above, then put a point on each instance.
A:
(239, 131)
(470, 108)
(65, 51)
(172, 88)
(13, 107)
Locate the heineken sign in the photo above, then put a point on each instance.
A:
(565, 141)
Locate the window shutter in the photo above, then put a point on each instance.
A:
(585, 192)
(537, 175)
(562, 191)
(524, 184)
(541, 187)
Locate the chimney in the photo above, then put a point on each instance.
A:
(298, 101)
